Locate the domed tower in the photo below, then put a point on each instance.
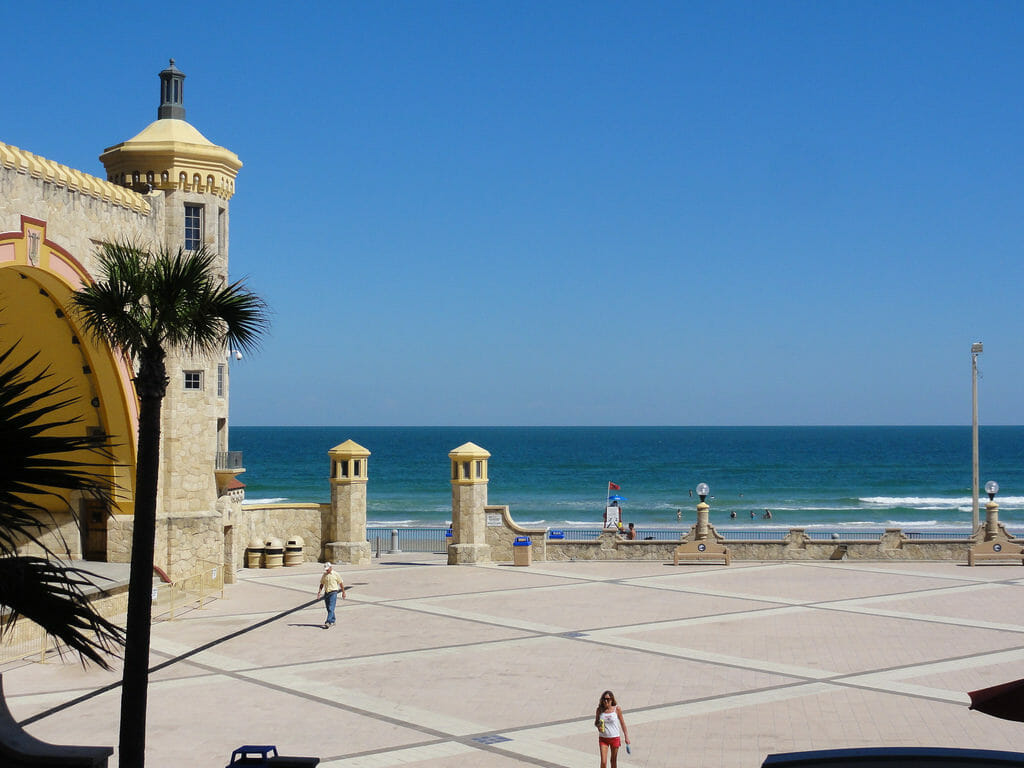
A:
(189, 181)
(196, 177)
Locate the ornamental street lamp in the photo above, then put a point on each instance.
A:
(702, 512)
(976, 349)
(991, 510)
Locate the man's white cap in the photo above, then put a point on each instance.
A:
(327, 566)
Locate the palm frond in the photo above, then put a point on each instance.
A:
(39, 464)
(149, 299)
(52, 595)
(35, 463)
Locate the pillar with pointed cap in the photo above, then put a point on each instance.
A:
(469, 497)
(345, 527)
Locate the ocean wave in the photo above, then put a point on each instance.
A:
(936, 502)
(272, 500)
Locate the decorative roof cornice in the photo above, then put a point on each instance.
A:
(38, 167)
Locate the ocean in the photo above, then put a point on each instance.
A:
(915, 478)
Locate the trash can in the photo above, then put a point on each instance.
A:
(556, 535)
(253, 554)
(293, 554)
(266, 755)
(273, 553)
(521, 550)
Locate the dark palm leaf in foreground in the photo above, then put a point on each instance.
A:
(1005, 700)
(39, 464)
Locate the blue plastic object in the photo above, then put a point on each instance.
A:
(556, 534)
(252, 754)
(521, 541)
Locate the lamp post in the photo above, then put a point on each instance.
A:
(976, 349)
(991, 510)
(702, 512)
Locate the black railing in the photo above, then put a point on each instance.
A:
(229, 460)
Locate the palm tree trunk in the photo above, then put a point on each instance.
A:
(151, 384)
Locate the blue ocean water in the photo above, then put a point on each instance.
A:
(916, 478)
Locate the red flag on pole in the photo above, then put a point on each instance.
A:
(613, 487)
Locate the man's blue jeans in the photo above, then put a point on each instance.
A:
(330, 600)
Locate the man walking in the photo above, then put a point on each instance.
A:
(332, 583)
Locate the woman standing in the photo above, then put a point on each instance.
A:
(611, 728)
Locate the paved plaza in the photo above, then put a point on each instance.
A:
(433, 665)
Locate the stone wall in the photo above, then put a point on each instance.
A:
(260, 522)
(60, 536)
(79, 210)
(500, 538)
(892, 545)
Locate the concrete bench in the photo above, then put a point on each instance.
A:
(895, 757)
(701, 550)
(996, 550)
(18, 749)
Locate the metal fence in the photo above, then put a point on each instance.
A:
(591, 534)
(753, 534)
(229, 460)
(433, 540)
(937, 535)
(192, 591)
(844, 535)
(436, 540)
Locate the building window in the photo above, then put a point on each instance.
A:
(193, 379)
(220, 379)
(193, 227)
(222, 232)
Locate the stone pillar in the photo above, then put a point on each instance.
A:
(345, 529)
(991, 520)
(702, 520)
(469, 497)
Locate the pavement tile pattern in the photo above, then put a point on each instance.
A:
(495, 665)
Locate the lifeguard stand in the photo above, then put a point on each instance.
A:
(469, 497)
(345, 532)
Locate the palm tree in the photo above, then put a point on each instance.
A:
(41, 464)
(148, 303)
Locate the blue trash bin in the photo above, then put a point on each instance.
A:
(521, 550)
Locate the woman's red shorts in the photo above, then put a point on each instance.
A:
(611, 742)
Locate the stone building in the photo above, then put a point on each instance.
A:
(168, 185)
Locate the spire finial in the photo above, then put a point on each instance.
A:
(172, 94)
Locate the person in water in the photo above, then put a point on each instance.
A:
(611, 729)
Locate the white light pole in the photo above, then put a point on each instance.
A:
(976, 348)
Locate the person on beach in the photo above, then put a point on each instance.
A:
(332, 583)
(631, 533)
(767, 514)
(611, 729)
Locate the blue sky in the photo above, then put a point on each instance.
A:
(721, 213)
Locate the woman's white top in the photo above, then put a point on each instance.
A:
(612, 727)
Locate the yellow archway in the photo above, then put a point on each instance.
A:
(37, 278)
